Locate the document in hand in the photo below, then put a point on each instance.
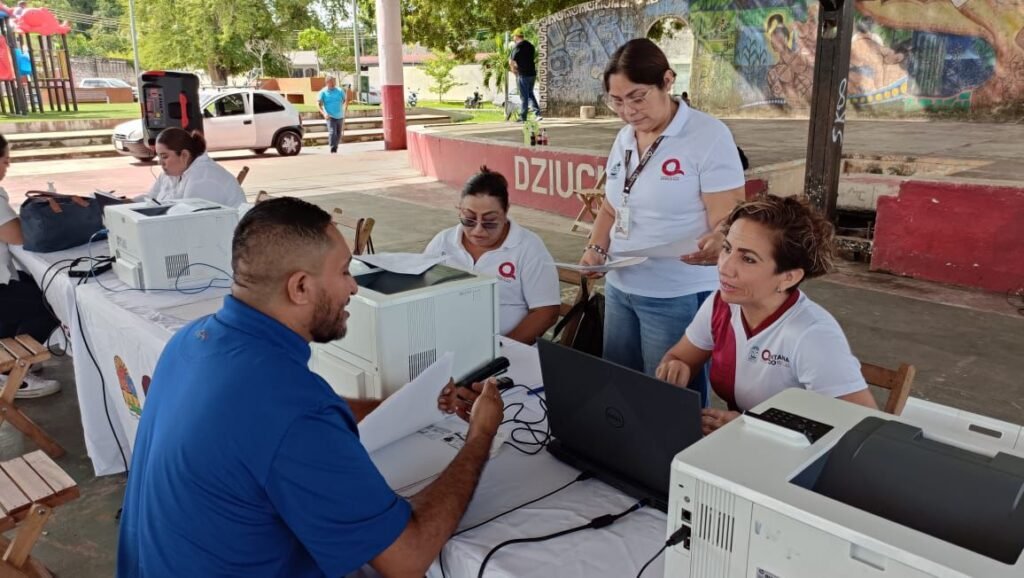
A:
(673, 250)
(408, 410)
(611, 264)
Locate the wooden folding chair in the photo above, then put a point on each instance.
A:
(17, 354)
(30, 488)
(357, 230)
(897, 381)
(242, 174)
(584, 287)
(591, 199)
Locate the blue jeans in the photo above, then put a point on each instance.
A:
(638, 331)
(526, 95)
(335, 126)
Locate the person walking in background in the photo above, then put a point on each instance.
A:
(523, 64)
(333, 106)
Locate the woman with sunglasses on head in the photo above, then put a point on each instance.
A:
(673, 175)
(760, 332)
(488, 242)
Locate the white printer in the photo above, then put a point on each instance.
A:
(815, 487)
(401, 324)
(176, 245)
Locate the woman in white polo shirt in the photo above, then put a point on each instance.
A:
(23, 309)
(487, 241)
(190, 173)
(673, 175)
(760, 332)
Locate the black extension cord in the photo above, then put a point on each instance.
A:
(683, 533)
(595, 524)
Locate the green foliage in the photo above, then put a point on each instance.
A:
(495, 67)
(439, 68)
(333, 54)
(455, 26)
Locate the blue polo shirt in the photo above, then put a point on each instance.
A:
(334, 101)
(247, 464)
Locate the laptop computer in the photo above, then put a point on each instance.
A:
(621, 425)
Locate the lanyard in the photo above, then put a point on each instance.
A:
(628, 185)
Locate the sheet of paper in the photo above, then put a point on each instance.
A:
(403, 263)
(613, 263)
(672, 250)
(408, 410)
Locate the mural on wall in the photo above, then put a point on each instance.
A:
(906, 56)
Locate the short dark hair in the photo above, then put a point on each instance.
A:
(3, 145)
(804, 238)
(178, 139)
(488, 183)
(641, 61)
(277, 237)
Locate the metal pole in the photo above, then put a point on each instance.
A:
(389, 42)
(355, 38)
(135, 40)
(507, 73)
(828, 104)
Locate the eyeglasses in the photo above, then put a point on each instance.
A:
(635, 102)
(487, 225)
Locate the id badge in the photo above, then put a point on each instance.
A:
(622, 222)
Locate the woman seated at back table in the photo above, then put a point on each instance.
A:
(761, 333)
(190, 173)
(486, 241)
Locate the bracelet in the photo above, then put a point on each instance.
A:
(597, 249)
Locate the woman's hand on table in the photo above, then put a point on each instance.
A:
(709, 247)
(712, 419)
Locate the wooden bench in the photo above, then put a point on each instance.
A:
(91, 95)
(17, 354)
(30, 488)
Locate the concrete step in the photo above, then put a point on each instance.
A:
(107, 150)
(375, 122)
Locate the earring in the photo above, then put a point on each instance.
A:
(778, 289)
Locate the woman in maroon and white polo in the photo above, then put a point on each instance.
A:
(486, 241)
(761, 333)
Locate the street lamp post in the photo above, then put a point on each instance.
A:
(135, 39)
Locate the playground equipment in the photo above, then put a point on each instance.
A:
(35, 66)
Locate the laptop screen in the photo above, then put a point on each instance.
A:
(619, 420)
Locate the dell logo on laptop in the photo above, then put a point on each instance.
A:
(614, 417)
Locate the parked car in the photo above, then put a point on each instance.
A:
(108, 83)
(232, 119)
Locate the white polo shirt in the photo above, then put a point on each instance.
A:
(203, 179)
(7, 214)
(696, 157)
(527, 278)
(800, 345)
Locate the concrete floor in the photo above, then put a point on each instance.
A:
(967, 345)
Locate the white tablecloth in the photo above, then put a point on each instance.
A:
(512, 478)
(121, 328)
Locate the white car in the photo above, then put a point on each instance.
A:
(108, 83)
(232, 119)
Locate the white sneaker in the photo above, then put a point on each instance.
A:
(34, 386)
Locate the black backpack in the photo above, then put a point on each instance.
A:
(582, 328)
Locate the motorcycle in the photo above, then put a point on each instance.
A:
(413, 99)
(475, 101)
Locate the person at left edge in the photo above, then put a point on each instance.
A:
(246, 463)
(486, 241)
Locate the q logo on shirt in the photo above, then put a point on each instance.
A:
(672, 169)
(507, 271)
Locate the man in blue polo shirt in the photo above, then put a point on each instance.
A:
(248, 464)
(333, 105)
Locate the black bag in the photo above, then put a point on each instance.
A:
(582, 328)
(54, 222)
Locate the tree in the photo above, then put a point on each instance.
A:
(454, 26)
(439, 67)
(332, 54)
(495, 67)
(215, 34)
